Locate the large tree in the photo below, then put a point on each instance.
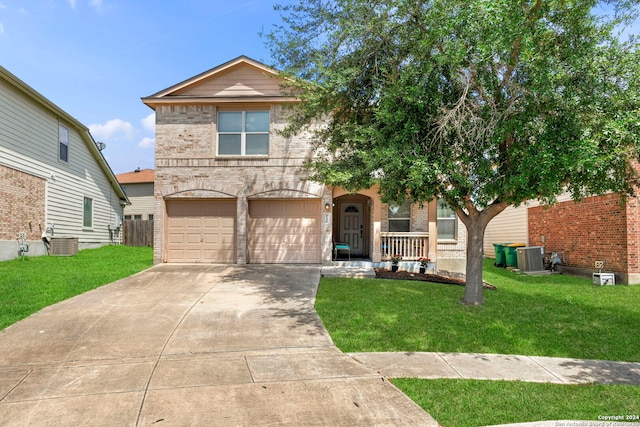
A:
(483, 103)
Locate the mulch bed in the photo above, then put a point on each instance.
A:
(383, 273)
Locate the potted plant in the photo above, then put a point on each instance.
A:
(424, 264)
(395, 259)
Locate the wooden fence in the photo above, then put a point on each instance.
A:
(137, 232)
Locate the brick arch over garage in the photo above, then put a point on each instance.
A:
(286, 190)
(189, 191)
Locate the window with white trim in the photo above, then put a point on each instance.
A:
(400, 217)
(87, 213)
(243, 133)
(63, 143)
(447, 222)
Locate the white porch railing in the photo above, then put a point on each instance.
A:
(410, 246)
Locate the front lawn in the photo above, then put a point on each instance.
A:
(557, 316)
(30, 285)
(472, 403)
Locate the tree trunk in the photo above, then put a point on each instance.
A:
(473, 294)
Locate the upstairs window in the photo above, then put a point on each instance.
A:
(63, 140)
(400, 217)
(243, 133)
(447, 222)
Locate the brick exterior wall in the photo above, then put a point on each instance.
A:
(596, 228)
(23, 203)
(187, 166)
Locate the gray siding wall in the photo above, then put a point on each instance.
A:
(141, 198)
(29, 143)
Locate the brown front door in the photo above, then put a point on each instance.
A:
(352, 226)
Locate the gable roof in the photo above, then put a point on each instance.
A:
(240, 80)
(83, 131)
(139, 176)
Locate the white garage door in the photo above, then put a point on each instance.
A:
(284, 231)
(201, 231)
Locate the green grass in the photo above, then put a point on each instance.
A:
(30, 285)
(461, 403)
(558, 316)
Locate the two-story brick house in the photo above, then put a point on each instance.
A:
(229, 188)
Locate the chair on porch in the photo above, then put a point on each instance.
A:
(341, 246)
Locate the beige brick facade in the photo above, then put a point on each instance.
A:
(188, 165)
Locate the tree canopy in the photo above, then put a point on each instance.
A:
(483, 104)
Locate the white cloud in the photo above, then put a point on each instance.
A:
(149, 122)
(1, 28)
(96, 4)
(147, 142)
(72, 3)
(115, 128)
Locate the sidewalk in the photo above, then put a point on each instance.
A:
(500, 367)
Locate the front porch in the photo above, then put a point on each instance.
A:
(370, 230)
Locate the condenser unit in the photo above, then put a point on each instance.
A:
(64, 246)
(531, 258)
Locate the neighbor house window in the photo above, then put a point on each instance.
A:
(400, 217)
(243, 133)
(87, 213)
(137, 217)
(127, 217)
(447, 222)
(150, 217)
(63, 139)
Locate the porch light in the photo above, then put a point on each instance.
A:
(327, 207)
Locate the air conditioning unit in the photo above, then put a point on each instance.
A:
(531, 258)
(604, 279)
(64, 246)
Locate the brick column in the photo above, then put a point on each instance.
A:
(242, 216)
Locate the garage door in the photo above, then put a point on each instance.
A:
(201, 231)
(284, 231)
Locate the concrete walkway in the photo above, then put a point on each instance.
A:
(500, 367)
(192, 345)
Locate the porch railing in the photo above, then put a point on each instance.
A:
(410, 246)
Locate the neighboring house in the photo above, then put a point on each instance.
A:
(230, 188)
(138, 185)
(53, 177)
(598, 228)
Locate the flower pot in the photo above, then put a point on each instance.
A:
(394, 268)
(422, 270)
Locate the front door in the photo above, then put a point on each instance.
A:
(352, 227)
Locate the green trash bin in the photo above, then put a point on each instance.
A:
(500, 254)
(511, 255)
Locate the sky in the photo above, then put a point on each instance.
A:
(95, 59)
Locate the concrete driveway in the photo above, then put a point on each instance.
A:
(191, 345)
